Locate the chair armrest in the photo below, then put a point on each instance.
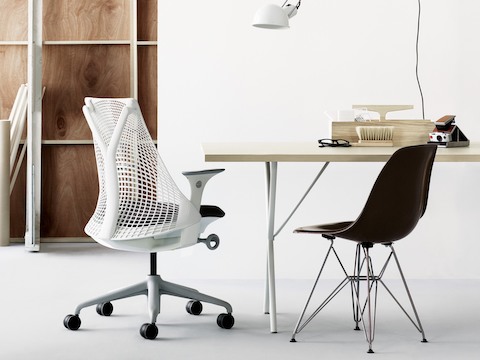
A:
(198, 180)
(203, 172)
(211, 211)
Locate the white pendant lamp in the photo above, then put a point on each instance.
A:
(275, 17)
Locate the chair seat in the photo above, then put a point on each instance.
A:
(159, 213)
(211, 211)
(331, 228)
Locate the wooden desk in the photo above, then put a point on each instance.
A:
(310, 152)
(273, 153)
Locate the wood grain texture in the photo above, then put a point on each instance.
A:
(405, 132)
(13, 70)
(147, 86)
(69, 189)
(13, 20)
(147, 20)
(70, 73)
(86, 20)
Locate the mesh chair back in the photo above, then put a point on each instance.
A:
(398, 198)
(137, 197)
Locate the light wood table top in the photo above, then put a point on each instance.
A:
(311, 152)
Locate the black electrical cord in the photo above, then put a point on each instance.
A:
(297, 6)
(416, 61)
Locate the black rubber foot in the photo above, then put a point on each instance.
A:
(424, 341)
(370, 351)
(293, 340)
(357, 328)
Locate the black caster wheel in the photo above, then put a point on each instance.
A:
(72, 322)
(194, 307)
(149, 331)
(105, 309)
(225, 321)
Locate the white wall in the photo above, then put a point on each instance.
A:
(223, 80)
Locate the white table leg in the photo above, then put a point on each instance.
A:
(270, 306)
(270, 297)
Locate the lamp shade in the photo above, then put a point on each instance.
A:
(271, 17)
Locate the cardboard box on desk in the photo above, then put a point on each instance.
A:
(406, 132)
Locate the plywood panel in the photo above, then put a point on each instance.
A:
(147, 86)
(72, 72)
(69, 189)
(13, 20)
(17, 204)
(86, 20)
(147, 20)
(13, 67)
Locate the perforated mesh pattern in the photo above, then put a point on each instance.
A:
(149, 200)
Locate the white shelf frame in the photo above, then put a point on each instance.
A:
(86, 42)
(34, 126)
(13, 43)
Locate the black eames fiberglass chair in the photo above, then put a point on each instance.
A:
(395, 205)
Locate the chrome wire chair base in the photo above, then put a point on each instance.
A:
(364, 312)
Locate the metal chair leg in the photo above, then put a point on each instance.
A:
(296, 330)
(355, 279)
(419, 327)
(366, 312)
(299, 327)
(363, 311)
(369, 332)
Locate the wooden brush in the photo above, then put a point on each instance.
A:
(375, 135)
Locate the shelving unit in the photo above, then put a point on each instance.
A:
(14, 65)
(87, 48)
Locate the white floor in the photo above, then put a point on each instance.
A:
(38, 290)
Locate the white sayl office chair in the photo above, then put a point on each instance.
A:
(141, 209)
